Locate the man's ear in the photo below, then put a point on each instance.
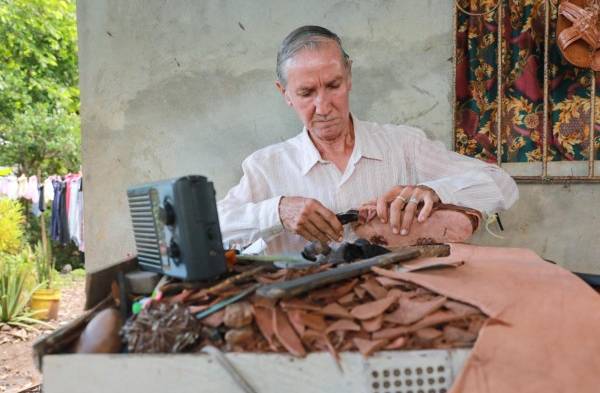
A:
(283, 92)
(349, 74)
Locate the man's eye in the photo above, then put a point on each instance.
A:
(304, 93)
(334, 86)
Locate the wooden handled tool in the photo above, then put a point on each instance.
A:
(307, 283)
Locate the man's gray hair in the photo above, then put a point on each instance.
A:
(305, 37)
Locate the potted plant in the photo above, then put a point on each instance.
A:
(44, 300)
(15, 272)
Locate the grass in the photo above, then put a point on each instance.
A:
(68, 280)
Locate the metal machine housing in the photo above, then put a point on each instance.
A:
(176, 228)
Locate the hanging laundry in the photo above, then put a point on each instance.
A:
(9, 187)
(63, 196)
(74, 184)
(31, 191)
(59, 227)
(41, 200)
(80, 204)
(35, 210)
(64, 220)
(22, 186)
(68, 179)
(49, 189)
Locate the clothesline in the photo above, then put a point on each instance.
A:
(63, 194)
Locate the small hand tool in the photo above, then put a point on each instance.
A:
(348, 216)
(222, 304)
(233, 258)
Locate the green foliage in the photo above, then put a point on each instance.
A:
(43, 262)
(68, 254)
(39, 97)
(63, 254)
(43, 138)
(38, 54)
(78, 274)
(11, 226)
(15, 271)
(68, 280)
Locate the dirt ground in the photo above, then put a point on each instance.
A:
(17, 371)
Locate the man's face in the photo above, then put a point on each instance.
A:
(318, 88)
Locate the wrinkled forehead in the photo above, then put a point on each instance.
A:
(315, 58)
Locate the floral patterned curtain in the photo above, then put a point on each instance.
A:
(522, 87)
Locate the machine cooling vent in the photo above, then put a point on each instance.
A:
(144, 229)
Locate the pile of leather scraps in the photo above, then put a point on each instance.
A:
(373, 312)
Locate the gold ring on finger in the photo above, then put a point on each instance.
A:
(401, 198)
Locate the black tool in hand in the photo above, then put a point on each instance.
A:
(348, 216)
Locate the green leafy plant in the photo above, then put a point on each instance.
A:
(42, 138)
(39, 94)
(11, 226)
(15, 272)
(62, 254)
(44, 264)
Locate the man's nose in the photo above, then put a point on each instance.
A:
(322, 104)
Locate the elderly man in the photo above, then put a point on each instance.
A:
(290, 191)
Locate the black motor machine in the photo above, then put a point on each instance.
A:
(176, 228)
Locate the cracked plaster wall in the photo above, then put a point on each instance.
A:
(170, 88)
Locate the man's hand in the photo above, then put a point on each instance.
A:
(310, 219)
(405, 199)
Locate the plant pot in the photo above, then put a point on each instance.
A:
(44, 302)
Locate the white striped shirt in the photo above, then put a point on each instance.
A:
(383, 156)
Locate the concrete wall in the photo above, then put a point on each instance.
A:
(178, 87)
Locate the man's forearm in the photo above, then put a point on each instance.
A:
(488, 189)
(243, 223)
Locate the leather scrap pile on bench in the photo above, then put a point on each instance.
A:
(539, 332)
(375, 311)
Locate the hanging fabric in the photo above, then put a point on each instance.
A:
(9, 187)
(63, 196)
(74, 184)
(55, 221)
(520, 69)
(22, 186)
(41, 200)
(31, 191)
(49, 189)
(80, 212)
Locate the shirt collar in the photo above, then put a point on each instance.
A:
(364, 143)
(363, 147)
(310, 154)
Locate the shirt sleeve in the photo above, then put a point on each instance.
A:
(249, 212)
(461, 180)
